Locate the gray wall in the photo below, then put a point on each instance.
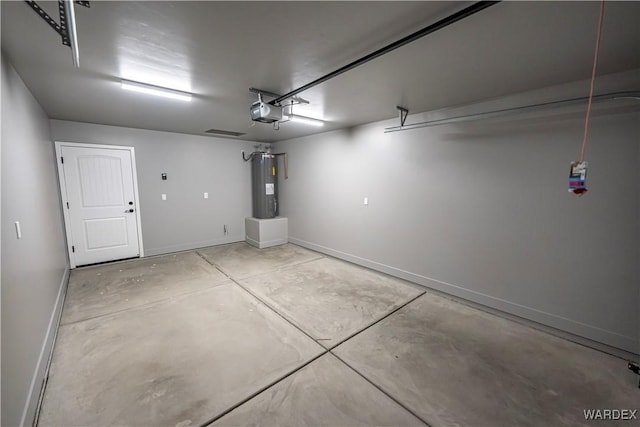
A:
(34, 268)
(194, 165)
(481, 210)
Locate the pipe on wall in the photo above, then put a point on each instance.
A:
(286, 164)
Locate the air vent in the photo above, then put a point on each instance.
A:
(221, 132)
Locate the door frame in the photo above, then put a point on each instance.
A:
(63, 191)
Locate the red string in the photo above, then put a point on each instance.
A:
(593, 80)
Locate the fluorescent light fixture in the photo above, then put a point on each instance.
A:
(155, 90)
(305, 120)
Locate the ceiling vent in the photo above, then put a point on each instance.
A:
(220, 132)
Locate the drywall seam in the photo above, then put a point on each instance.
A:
(42, 367)
(628, 344)
(196, 245)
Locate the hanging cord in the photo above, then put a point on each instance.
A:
(246, 159)
(593, 80)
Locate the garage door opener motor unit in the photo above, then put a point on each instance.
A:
(264, 112)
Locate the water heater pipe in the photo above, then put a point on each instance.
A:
(286, 164)
(286, 160)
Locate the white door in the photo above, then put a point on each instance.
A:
(100, 200)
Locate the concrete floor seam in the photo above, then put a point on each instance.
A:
(145, 305)
(213, 264)
(326, 350)
(266, 387)
(284, 267)
(395, 310)
(220, 354)
(236, 281)
(383, 391)
(548, 330)
(263, 302)
(584, 342)
(277, 312)
(237, 405)
(299, 263)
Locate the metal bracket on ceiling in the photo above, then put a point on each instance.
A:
(67, 26)
(294, 99)
(263, 92)
(403, 114)
(61, 28)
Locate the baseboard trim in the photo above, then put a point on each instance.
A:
(196, 245)
(265, 244)
(36, 389)
(585, 334)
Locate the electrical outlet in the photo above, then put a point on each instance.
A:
(164, 197)
(366, 201)
(206, 195)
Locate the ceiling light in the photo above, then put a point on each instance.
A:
(155, 90)
(306, 120)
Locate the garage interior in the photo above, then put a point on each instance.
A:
(435, 269)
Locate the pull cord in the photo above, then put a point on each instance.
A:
(593, 79)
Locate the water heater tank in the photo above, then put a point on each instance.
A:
(264, 183)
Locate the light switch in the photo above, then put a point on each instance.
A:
(18, 230)
(164, 197)
(206, 195)
(366, 201)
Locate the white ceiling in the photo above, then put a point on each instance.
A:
(218, 50)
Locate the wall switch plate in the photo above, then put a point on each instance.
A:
(366, 201)
(18, 230)
(164, 197)
(206, 195)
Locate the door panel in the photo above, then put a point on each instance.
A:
(101, 181)
(100, 191)
(106, 233)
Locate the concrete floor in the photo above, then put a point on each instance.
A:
(234, 335)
